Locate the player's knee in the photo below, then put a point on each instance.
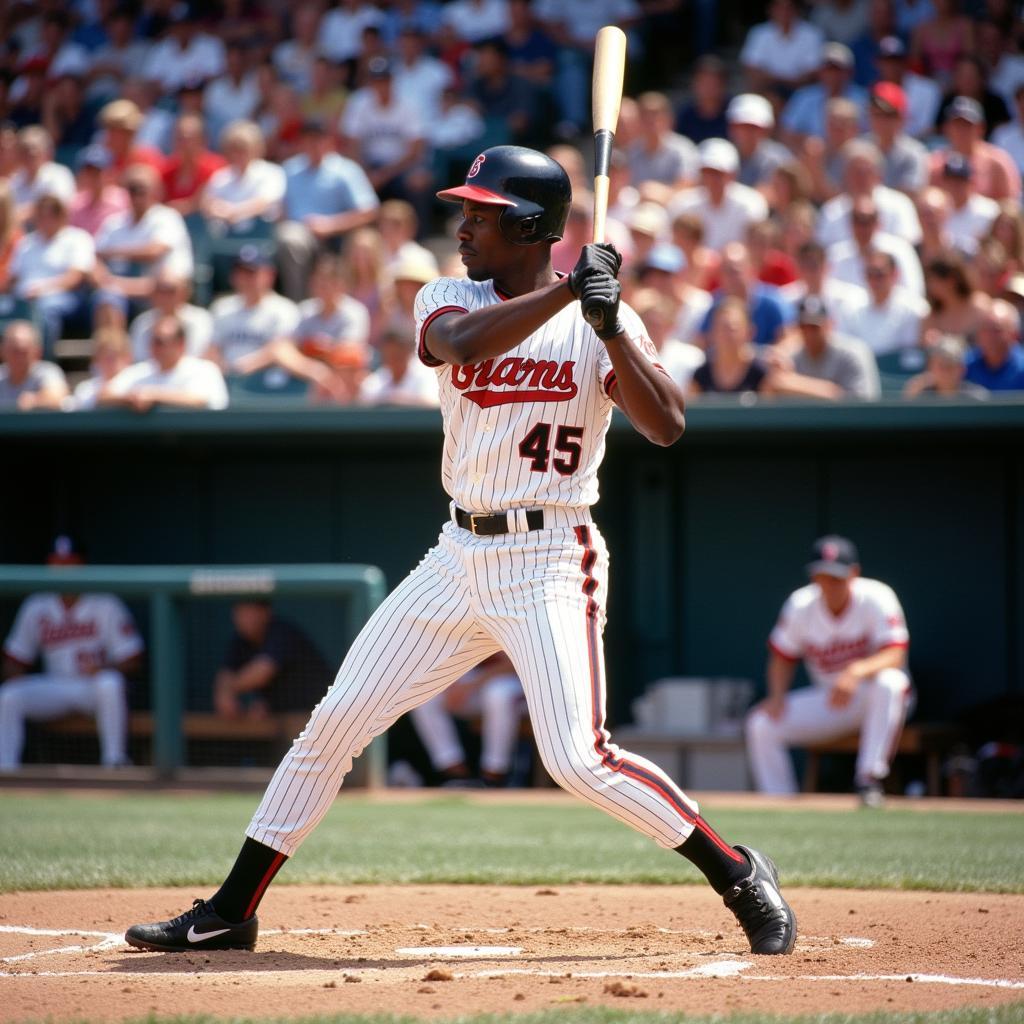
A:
(895, 680)
(758, 727)
(109, 683)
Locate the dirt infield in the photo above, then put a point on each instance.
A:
(379, 948)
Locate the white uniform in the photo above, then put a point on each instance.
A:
(523, 431)
(77, 646)
(827, 643)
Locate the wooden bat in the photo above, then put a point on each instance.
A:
(609, 70)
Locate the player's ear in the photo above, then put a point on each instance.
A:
(854, 571)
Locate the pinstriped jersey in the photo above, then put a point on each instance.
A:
(525, 429)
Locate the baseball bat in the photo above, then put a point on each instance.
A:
(609, 70)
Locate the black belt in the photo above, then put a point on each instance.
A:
(490, 525)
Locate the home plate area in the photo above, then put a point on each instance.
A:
(446, 950)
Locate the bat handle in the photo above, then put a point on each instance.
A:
(600, 206)
(594, 317)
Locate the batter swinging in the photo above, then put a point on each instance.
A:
(527, 390)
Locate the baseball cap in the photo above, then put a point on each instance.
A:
(965, 109)
(668, 258)
(65, 551)
(749, 108)
(253, 256)
(833, 556)
(956, 165)
(379, 67)
(649, 219)
(837, 54)
(891, 47)
(94, 156)
(889, 98)
(1015, 286)
(719, 155)
(414, 268)
(812, 310)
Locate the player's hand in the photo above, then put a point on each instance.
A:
(600, 258)
(843, 689)
(600, 303)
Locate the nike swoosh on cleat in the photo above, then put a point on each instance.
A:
(194, 936)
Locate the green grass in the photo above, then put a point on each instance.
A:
(64, 840)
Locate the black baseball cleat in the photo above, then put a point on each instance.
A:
(199, 928)
(763, 914)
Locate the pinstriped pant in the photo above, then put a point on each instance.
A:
(537, 595)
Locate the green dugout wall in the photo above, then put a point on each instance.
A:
(707, 538)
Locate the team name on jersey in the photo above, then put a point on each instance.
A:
(545, 381)
(835, 655)
(53, 633)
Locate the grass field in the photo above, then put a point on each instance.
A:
(69, 841)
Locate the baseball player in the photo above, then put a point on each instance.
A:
(88, 644)
(527, 389)
(852, 636)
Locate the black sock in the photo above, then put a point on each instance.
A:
(237, 899)
(722, 865)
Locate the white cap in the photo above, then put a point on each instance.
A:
(649, 219)
(749, 108)
(719, 155)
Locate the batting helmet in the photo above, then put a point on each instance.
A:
(533, 189)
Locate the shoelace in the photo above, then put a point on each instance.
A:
(198, 907)
(751, 907)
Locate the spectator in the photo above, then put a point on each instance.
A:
(398, 228)
(1010, 136)
(732, 364)
(37, 174)
(944, 376)
(845, 21)
(294, 56)
(88, 644)
(993, 268)
(938, 42)
(280, 117)
(725, 207)
(271, 666)
(249, 190)
(424, 15)
(798, 224)
(155, 129)
(97, 197)
(407, 278)
(700, 261)
(66, 116)
(1008, 228)
(326, 197)
(401, 379)
(992, 170)
(862, 178)
(501, 94)
(26, 381)
(341, 29)
(804, 114)
(170, 378)
(368, 280)
(904, 159)
(933, 210)
(956, 308)
(970, 78)
(186, 52)
(111, 353)
(824, 159)
(325, 98)
(663, 318)
(331, 317)
(852, 636)
(50, 268)
(234, 95)
(703, 116)
(923, 94)
(769, 313)
(970, 215)
(475, 20)
(491, 691)
(751, 120)
(892, 318)
(783, 53)
(10, 233)
(532, 53)
(132, 247)
(827, 365)
(770, 263)
(788, 186)
(457, 125)
(420, 79)
(170, 298)
(843, 300)
(659, 154)
(122, 55)
(648, 225)
(189, 167)
(121, 121)
(997, 360)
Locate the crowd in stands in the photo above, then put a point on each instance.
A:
(235, 201)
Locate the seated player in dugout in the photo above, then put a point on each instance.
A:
(852, 636)
(527, 384)
(271, 666)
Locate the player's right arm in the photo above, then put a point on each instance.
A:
(779, 677)
(785, 648)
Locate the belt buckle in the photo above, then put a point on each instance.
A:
(472, 524)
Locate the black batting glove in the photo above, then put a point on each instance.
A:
(600, 304)
(595, 258)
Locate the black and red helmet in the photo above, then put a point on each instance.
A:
(533, 188)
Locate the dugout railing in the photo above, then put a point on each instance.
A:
(359, 589)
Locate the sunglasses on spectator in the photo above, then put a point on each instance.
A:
(864, 218)
(160, 340)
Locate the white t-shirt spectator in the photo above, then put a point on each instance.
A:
(972, 220)
(38, 259)
(51, 180)
(842, 300)
(474, 20)
(845, 262)
(457, 126)
(172, 66)
(294, 63)
(1010, 136)
(418, 386)
(675, 159)
(421, 85)
(680, 360)
(924, 97)
(341, 31)
(384, 134)
(197, 377)
(581, 19)
(198, 326)
(896, 216)
(691, 316)
(239, 329)
(782, 56)
(894, 325)
(158, 224)
(350, 322)
(740, 208)
(260, 180)
(225, 101)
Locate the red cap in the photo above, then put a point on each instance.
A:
(476, 194)
(889, 98)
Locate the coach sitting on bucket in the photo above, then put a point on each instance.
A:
(852, 636)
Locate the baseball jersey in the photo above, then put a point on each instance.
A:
(96, 631)
(806, 629)
(524, 429)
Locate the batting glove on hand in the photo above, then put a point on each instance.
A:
(600, 303)
(595, 258)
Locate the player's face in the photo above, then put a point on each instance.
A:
(484, 250)
(836, 591)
